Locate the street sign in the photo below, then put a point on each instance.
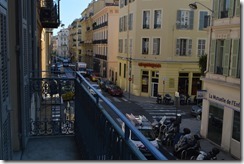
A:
(201, 94)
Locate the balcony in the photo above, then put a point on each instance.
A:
(69, 123)
(49, 13)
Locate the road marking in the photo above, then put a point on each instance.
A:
(124, 99)
(116, 99)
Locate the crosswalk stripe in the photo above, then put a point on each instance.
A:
(124, 99)
(116, 99)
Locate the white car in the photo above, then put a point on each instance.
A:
(95, 86)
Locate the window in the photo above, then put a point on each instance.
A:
(156, 46)
(119, 69)
(145, 45)
(131, 46)
(183, 47)
(126, 46)
(215, 122)
(124, 70)
(130, 21)
(146, 20)
(224, 8)
(120, 45)
(202, 20)
(185, 19)
(236, 126)
(157, 19)
(144, 82)
(201, 47)
(219, 57)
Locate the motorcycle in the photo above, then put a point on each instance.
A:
(167, 99)
(211, 155)
(159, 99)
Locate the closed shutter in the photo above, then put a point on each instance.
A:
(191, 20)
(178, 19)
(216, 9)
(189, 53)
(237, 8)
(212, 56)
(235, 57)
(5, 128)
(230, 11)
(177, 47)
(226, 57)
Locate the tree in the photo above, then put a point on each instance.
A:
(203, 63)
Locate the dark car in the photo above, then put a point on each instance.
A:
(115, 90)
(196, 110)
(106, 84)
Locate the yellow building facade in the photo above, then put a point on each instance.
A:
(159, 47)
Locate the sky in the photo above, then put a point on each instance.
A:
(70, 10)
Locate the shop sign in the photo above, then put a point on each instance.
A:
(153, 65)
(200, 94)
(225, 100)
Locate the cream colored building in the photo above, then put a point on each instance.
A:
(105, 40)
(87, 23)
(221, 105)
(75, 40)
(163, 41)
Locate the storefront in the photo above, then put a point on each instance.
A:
(221, 117)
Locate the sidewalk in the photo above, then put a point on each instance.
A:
(191, 123)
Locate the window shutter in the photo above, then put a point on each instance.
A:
(216, 9)
(234, 57)
(189, 47)
(178, 47)
(178, 19)
(212, 56)
(230, 12)
(238, 8)
(191, 20)
(226, 60)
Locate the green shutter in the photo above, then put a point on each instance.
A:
(230, 12)
(189, 47)
(216, 9)
(178, 19)
(238, 8)
(234, 57)
(226, 57)
(191, 20)
(177, 47)
(212, 56)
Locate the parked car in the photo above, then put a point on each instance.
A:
(196, 110)
(88, 72)
(95, 86)
(94, 76)
(100, 81)
(106, 84)
(115, 90)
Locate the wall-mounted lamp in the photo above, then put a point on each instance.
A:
(194, 6)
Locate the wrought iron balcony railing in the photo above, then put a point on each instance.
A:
(49, 13)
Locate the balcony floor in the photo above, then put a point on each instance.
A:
(51, 148)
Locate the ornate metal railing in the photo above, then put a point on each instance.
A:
(52, 106)
(49, 13)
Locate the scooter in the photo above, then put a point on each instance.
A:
(212, 155)
(159, 99)
(168, 99)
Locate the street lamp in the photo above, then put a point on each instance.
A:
(194, 6)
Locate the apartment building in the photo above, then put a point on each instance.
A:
(105, 40)
(97, 10)
(63, 43)
(159, 46)
(75, 40)
(222, 104)
(23, 41)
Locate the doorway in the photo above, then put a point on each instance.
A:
(154, 91)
